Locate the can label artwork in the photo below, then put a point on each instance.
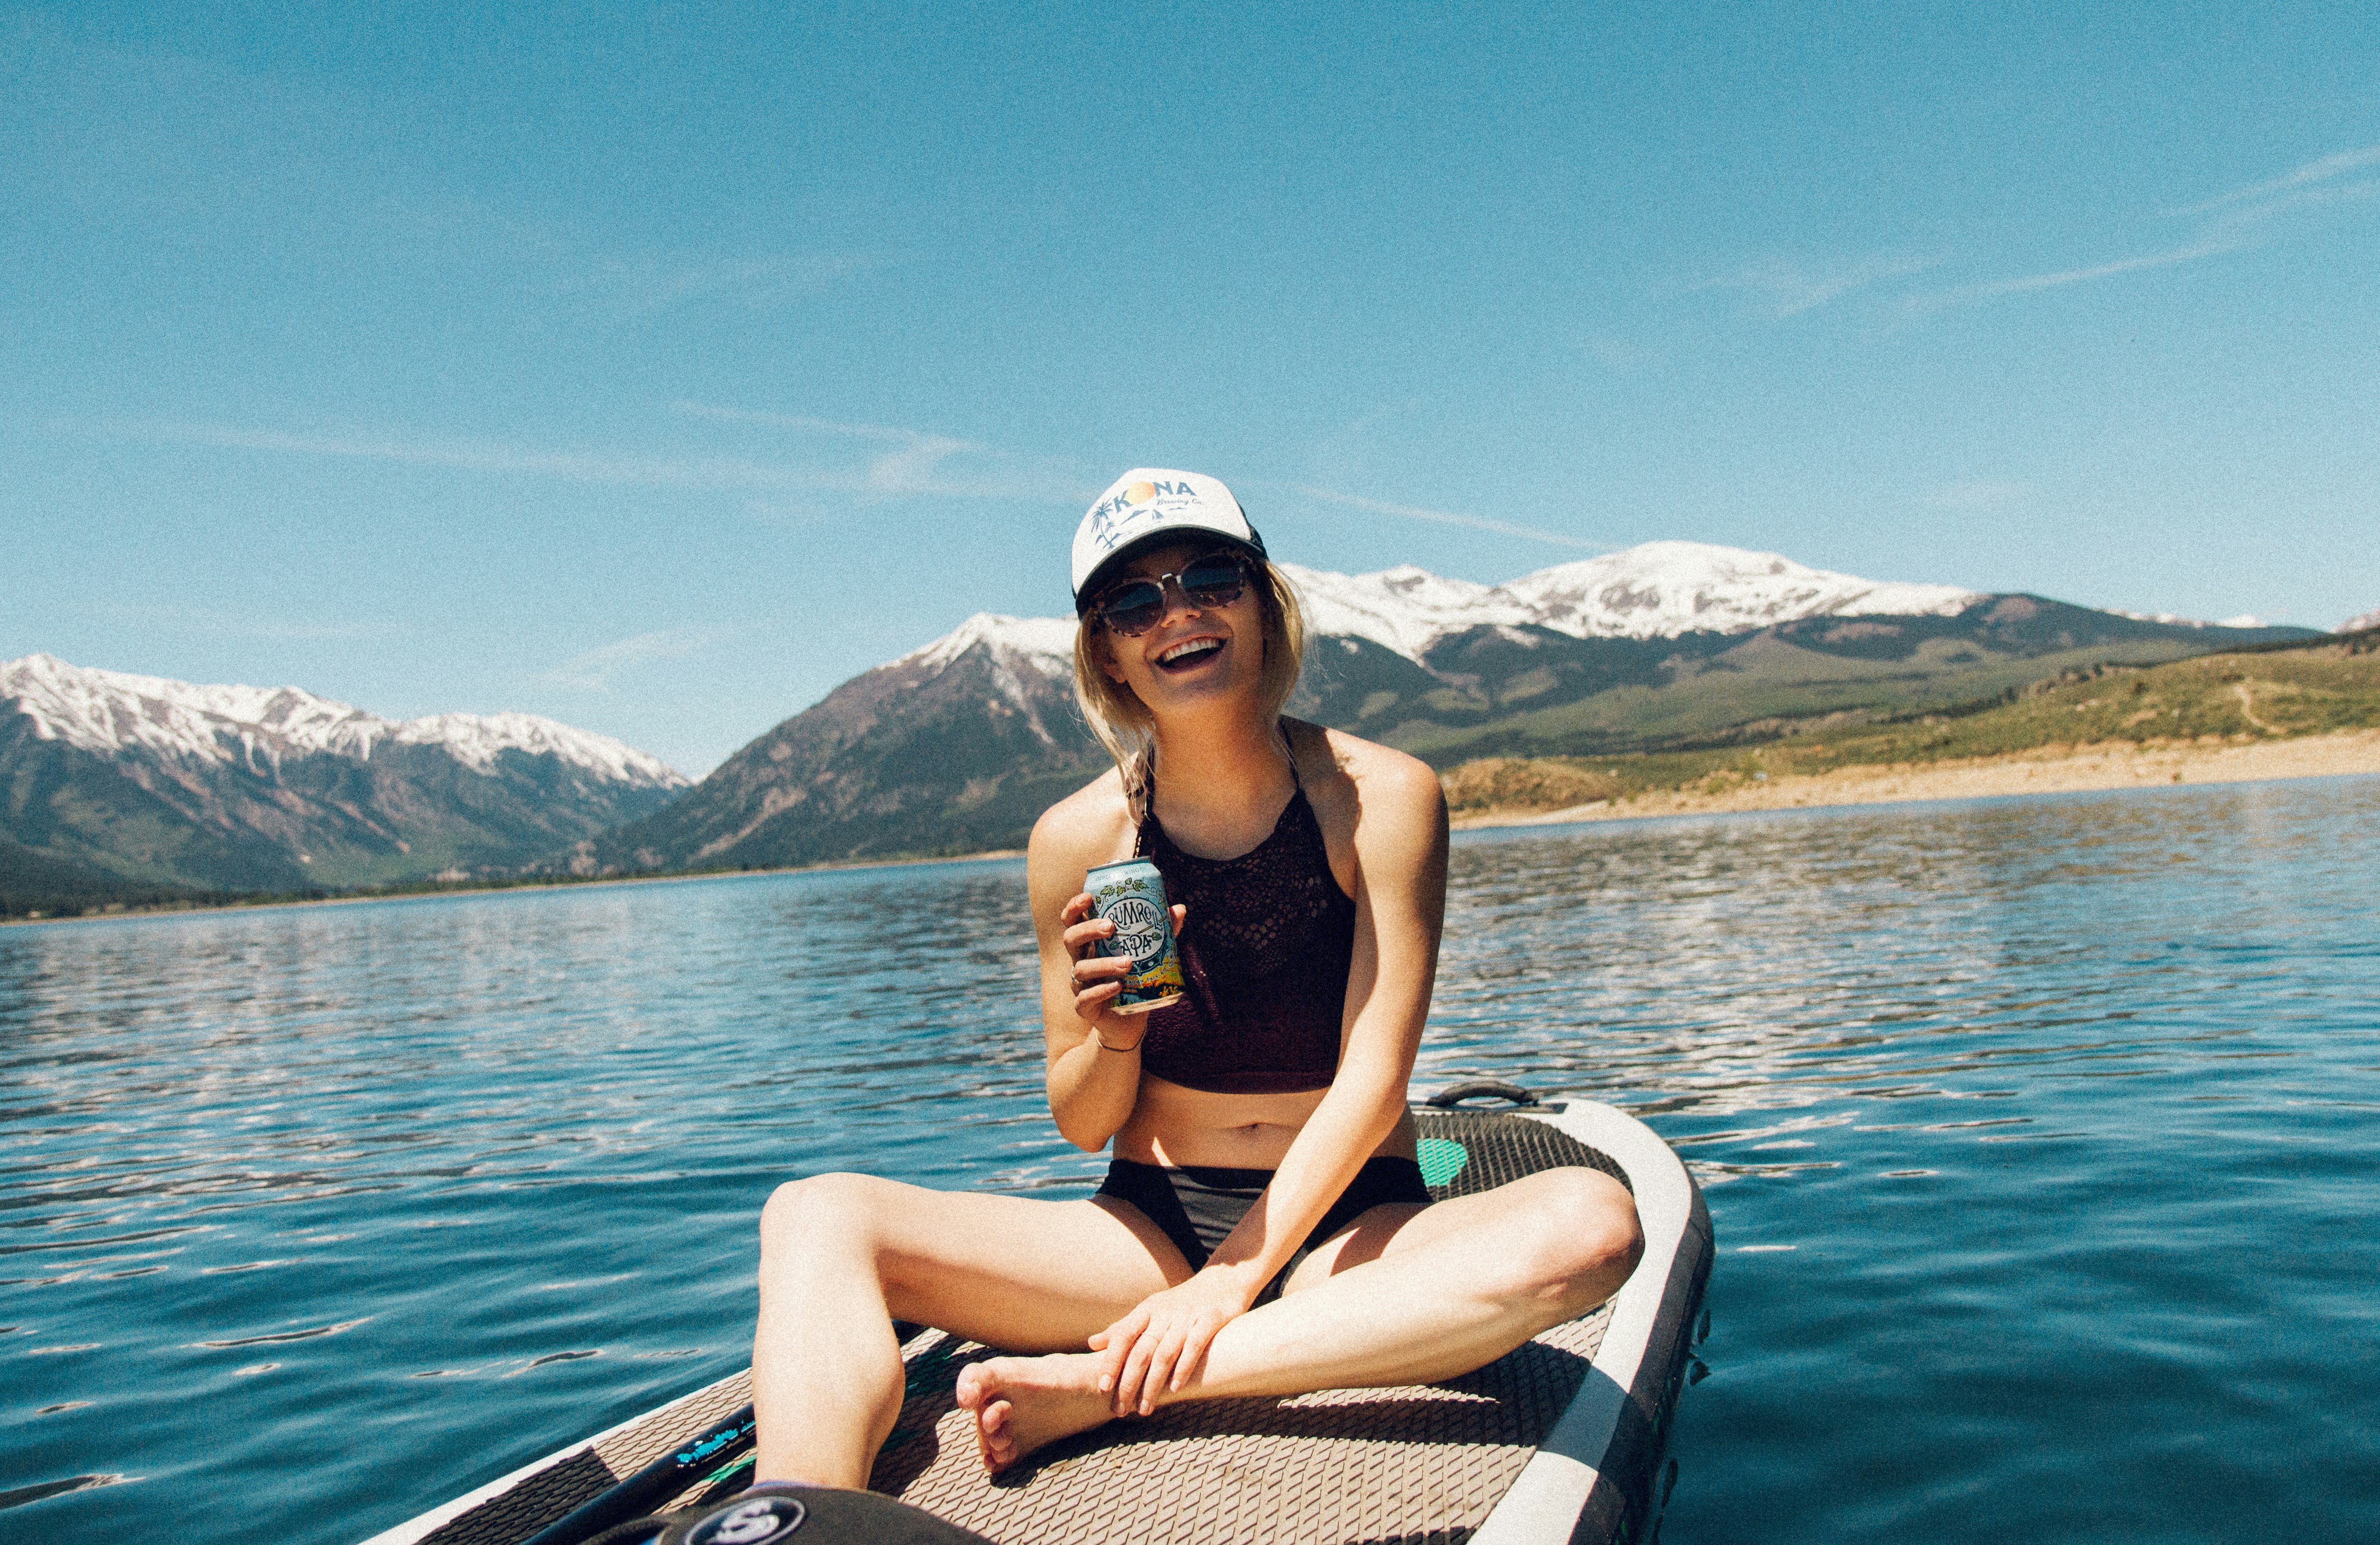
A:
(1131, 895)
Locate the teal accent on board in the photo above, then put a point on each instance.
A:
(1441, 1160)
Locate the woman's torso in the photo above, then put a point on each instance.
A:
(1171, 1124)
(1253, 1044)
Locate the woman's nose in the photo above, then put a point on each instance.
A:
(1176, 598)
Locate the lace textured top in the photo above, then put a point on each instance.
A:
(1266, 949)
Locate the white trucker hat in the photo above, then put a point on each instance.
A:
(1151, 504)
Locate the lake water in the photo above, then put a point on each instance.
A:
(2039, 1136)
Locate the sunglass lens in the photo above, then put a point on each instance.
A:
(1134, 608)
(1215, 582)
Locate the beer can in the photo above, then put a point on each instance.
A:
(1131, 895)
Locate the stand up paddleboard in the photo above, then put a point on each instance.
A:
(1560, 1439)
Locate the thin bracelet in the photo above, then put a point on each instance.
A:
(1105, 1047)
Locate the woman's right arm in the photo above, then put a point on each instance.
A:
(1093, 1055)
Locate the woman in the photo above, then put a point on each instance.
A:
(1263, 1229)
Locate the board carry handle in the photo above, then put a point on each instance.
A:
(1453, 1095)
(657, 1482)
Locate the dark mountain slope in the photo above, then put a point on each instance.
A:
(39, 884)
(165, 783)
(952, 749)
(959, 747)
(1530, 692)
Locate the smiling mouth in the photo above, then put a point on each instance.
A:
(1188, 653)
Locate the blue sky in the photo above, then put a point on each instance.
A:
(659, 369)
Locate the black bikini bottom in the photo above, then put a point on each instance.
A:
(1198, 1205)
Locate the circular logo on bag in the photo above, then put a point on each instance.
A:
(752, 1522)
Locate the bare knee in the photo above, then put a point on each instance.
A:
(818, 1212)
(1586, 1240)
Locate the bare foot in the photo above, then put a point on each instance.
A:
(1021, 1403)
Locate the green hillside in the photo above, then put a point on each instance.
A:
(2237, 697)
(37, 884)
(1520, 692)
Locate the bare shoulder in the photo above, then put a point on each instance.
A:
(1086, 827)
(1362, 791)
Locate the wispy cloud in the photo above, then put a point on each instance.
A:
(2321, 169)
(918, 461)
(917, 468)
(914, 465)
(1440, 517)
(592, 670)
(2236, 220)
(799, 422)
(1979, 496)
(483, 457)
(1789, 289)
(1967, 295)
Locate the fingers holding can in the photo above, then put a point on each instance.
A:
(1129, 897)
(1098, 982)
(1097, 977)
(1086, 931)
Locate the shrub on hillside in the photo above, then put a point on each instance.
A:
(1525, 783)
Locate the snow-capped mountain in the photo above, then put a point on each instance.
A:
(1021, 657)
(1659, 590)
(161, 782)
(2174, 619)
(1404, 609)
(959, 745)
(1044, 644)
(954, 747)
(113, 712)
(2357, 625)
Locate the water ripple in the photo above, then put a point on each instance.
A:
(2034, 1131)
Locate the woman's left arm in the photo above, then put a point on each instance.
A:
(1401, 842)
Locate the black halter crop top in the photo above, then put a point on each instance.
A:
(1267, 945)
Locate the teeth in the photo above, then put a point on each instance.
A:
(1188, 645)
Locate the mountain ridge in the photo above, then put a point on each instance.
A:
(111, 778)
(108, 711)
(958, 745)
(1654, 589)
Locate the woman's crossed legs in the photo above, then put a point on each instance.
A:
(1405, 1295)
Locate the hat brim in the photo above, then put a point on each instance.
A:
(1186, 536)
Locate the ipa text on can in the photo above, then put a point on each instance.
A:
(1131, 895)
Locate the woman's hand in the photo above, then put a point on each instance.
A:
(1160, 1344)
(1098, 978)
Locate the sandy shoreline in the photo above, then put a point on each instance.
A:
(2051, 770)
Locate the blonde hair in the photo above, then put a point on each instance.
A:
(1122, 722)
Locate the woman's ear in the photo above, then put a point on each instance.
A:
(1104, 656)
